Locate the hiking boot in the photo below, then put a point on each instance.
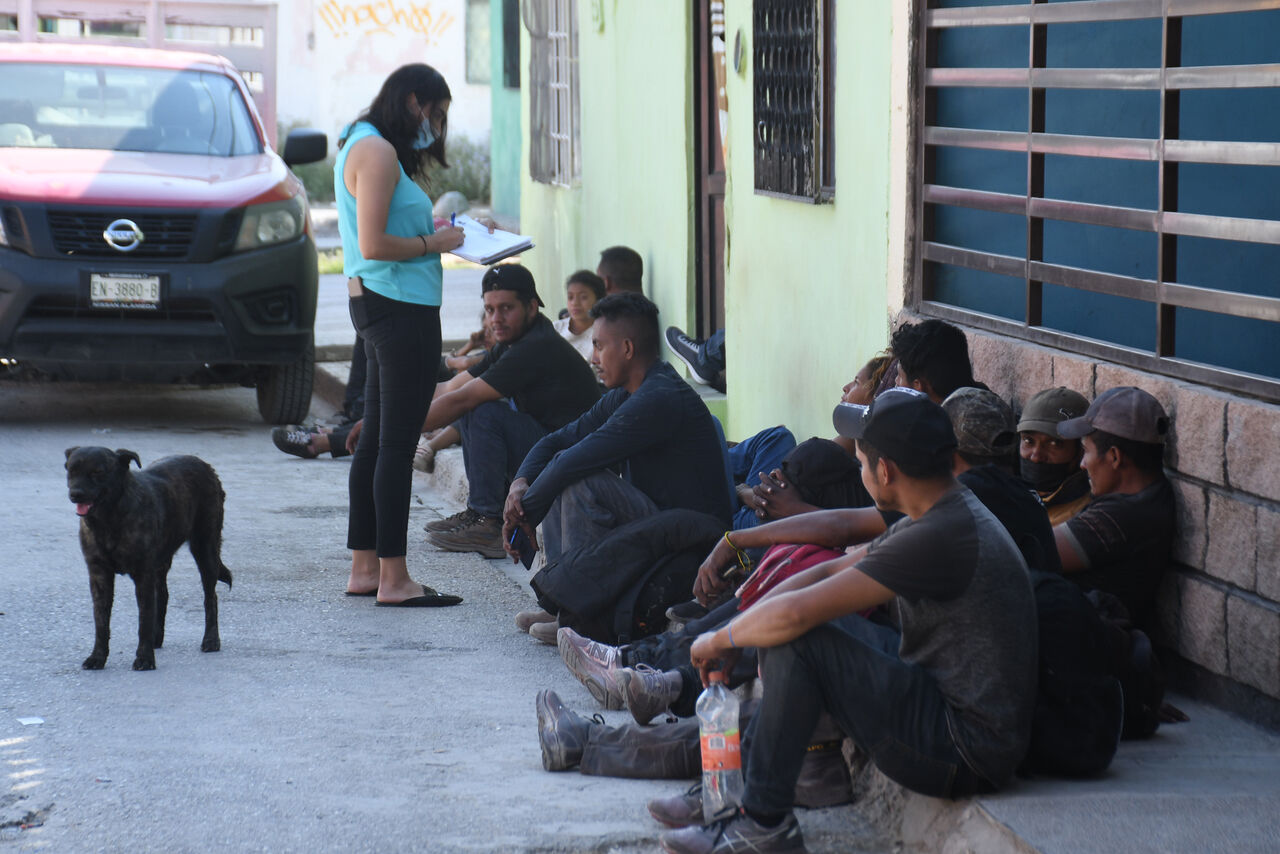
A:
(683, 810)
(465, 516)
(650, 692)
(482, 536)
(525, 619)
(545, 631)
(294, 439)
(595, 665)
(736, 833)
(687, 349)
(562, 733)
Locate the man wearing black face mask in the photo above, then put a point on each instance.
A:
(1050, 463)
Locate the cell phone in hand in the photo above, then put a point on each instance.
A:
(520, 542)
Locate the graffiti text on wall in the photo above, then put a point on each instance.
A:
(384, 16)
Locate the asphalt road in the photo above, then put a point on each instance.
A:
(325, 723)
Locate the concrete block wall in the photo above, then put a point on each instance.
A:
(1220, 607)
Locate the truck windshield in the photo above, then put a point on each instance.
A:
(119, 108)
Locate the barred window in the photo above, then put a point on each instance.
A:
(1104, 177)
(555, 155)
(793, 72)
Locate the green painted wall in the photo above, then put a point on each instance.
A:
(635, 187)
(806, 295)
(504, 130)
(805, 300)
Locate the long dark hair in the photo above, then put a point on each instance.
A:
(398, 126)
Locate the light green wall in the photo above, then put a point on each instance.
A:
(635, 187)
(504, 131)
(805, 301)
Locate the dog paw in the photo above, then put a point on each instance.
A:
(144, 663)
(211, 645)
(94, 662)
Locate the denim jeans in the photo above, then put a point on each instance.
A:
(892, 710)
(402, 347)
(711, 353)
(762, 452)
(587, 510)
(495, 439)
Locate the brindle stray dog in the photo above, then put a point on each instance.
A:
(132, 524)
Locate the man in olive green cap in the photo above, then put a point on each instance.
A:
(1049, 462)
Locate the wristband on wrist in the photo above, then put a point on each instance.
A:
(423, 238)
(728, 628)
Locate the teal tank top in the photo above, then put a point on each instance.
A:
(415, 280)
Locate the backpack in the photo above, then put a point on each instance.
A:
(617, 589)
(1079, 708)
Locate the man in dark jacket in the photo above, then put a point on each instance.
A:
(649, 444)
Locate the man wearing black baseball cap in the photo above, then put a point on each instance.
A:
(545, 383)
(943, 708)
(1121, 543)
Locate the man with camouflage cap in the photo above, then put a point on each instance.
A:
(1121, 543)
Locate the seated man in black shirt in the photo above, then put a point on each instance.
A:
(651, 428)
(546, 385)
(1122, 542)
(943, 707)
(933, 357)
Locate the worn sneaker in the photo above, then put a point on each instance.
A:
(679, 615)
(736, 833)
(545, 631)
(482, 536)
(687, 349)
(294, 439)
(465, 516)
(681, 810)
(525, 619)
(586, 660)
(574, 648)
(650, 692)
(562, 733)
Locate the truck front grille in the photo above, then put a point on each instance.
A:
(80, 233)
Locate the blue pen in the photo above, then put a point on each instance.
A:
(453, 219)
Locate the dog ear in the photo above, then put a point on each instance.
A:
(125, 456)
(71, 451)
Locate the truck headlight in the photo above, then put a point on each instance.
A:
(274, 222)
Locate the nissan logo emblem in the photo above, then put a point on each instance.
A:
(124, 235)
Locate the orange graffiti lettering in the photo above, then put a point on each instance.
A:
(384, 16)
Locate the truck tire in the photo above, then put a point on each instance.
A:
(284, 391)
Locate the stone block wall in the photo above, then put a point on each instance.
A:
(1220, 607)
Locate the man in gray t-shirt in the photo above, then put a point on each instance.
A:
(944, 708)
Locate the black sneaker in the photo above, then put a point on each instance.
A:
(687, 349)
(294, 439)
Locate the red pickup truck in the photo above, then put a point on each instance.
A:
(147, 230)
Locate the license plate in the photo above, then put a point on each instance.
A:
(124, 290)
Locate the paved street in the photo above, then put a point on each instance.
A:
(325, 724)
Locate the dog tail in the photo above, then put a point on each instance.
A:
(224, 575)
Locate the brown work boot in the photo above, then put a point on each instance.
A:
(483, 536)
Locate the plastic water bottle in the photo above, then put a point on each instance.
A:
(721, 755)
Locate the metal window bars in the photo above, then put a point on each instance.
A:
(1166, 151)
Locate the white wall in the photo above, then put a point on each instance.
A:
(334, 55)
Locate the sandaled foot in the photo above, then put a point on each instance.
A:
(429, 599)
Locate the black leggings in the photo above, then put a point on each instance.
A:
(402, 343)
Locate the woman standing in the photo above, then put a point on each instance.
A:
(391, 254)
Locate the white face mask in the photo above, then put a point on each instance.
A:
(426, 136)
